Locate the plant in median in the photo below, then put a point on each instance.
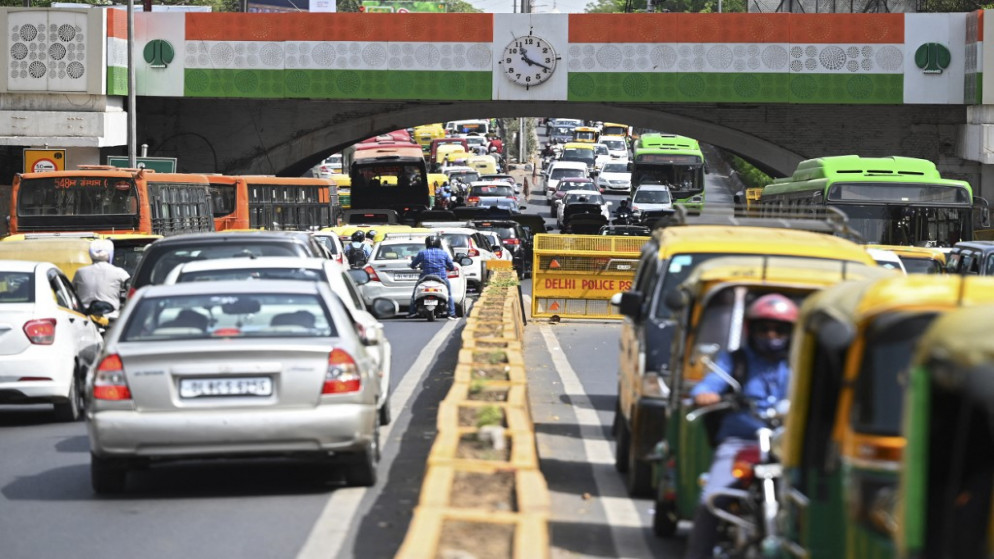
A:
(489, 415)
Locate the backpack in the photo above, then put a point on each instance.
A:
(355, 255)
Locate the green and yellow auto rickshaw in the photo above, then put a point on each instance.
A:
(947, 470)
(710, 305)
(842, 445)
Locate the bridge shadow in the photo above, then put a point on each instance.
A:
(382, 529)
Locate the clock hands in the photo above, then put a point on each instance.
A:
(530, 62)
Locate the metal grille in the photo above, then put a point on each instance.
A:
(589, 243)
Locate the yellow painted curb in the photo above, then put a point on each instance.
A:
(464, 373)
(531, 537)
(530, 489)
(523, 453)
(516, 418)
(517, 394)
(514, 358)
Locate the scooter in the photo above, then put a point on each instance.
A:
(431, 297)
(747, 511)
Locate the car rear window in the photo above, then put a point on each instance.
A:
(17, 287)
(398, 251)
(246, 315)
(167, 259)
(563, 173)
(491, 191)
(652, 197)
(328, 243)
(300, 274)
(457, 240)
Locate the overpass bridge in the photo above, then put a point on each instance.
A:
(274, 93)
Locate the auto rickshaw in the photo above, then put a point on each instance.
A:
(449, 154)
(918, 260)
(710, 305)
(484, 164)
(344, 186)
(842, 444)
(71, 251)
(947, 469)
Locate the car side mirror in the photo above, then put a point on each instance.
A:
(629, 303)
(465, 261)
(99, 308)
(359, 276)
(384, 308)
(676, 299)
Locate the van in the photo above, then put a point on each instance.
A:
(477, 126)
(975, 258)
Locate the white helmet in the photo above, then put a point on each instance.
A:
(102, 250)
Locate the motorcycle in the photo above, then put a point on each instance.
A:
(103, 315)
(431, 297)
(747, 512)
(623, 218)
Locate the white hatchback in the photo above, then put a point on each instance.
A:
(614, 177)
(47, 343)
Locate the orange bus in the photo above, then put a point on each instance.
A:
(108, 200)
(229, 201)
(389, 175)
(290, 203)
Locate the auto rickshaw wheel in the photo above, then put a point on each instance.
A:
(639, 480)
(622, 443)
(664, 520)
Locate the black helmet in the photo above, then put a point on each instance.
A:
(429, 242)
(358, 237)
(624, 203)
(371, 234)
(436, 242)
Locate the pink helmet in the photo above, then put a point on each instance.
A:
(772, 307)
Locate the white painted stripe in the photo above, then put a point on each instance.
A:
(620, 512)
(329, 532)
(737, 58)
(336, 55)
(117, 52)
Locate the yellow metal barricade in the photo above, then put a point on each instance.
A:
(574, 276)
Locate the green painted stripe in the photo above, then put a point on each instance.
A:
(737, 88)
(338, 84)
(117, 80)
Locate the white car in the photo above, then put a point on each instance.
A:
(391, 276)
(495, 241)
(887, 259)
(617, 146)
(601, 156)
(333, 243)
(337, 276)
(330, 166)
(614, 176)
(574, 196)
(469, 242)
(651, 198)
(47, 342)
(560, 170)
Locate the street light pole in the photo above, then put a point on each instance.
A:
(132, 110)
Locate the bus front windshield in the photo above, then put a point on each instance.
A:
(60, 196)
(909, 225)
(683, 180)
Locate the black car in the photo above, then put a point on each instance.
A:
(515, 238)
(163, 255)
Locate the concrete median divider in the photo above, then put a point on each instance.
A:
(483, 494)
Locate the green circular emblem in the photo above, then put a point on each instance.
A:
(158, 53)
(932, 58)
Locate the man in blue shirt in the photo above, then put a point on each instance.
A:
(434, 260)
(762, 369)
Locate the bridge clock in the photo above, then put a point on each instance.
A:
(528, 61)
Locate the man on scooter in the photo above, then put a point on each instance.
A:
(434, 260)
(762, 369)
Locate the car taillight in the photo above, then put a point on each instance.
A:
(340, 258)
(472, 200)
(499, 253)
(473, 252)
(453, 273)
(40, 331)
(743, 462)
(131, 292)
(635, 208)
(343, 374)
(372, 273)
(512, 241)
(109, 383)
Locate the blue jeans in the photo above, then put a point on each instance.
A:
(452, 298)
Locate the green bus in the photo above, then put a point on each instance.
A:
(676, 161)
(888, 200)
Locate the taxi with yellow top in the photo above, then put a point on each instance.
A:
(917, 260)
(843, 446)
(71, 251)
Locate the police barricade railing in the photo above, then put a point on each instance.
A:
(574, 276)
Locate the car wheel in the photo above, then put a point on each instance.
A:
(622, 442)
(664, 521)
(107, 475)
(361, 469)
(639, 480)
(72, 409)
(384, 412)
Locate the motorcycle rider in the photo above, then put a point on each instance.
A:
(434, 260)
(624, 212)
(102, 280)
(761, 368)
(357, 252)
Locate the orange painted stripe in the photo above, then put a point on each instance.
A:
(469, 28)
(847, 28)
(980, 26)
(736, 28)
(117, 23)
(678, 28)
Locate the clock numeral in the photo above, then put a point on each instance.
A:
(518, 76)
(529, 41)
(528, 78)
(538, 76)
(508, 60)
(545, 50)
(513, 51)
(511, 71)
(547, 61)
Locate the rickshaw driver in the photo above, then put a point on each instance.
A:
(768, 322)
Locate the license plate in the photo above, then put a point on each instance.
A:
(431, 303)
(767, 471)
(200, 388)
(402, 276)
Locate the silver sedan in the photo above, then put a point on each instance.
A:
(229, 369)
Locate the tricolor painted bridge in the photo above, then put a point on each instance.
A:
(274, 93)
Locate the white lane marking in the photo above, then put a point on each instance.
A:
(329, 532)
(621, 513)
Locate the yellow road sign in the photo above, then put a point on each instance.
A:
(41, 160)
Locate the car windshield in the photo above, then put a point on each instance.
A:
(171, 258)
(493, 190)
(585, 198)
(245, 315)
(558, 174)
(465, 176)
(615, 168)
(577, 155)
(302, 274)
(17, 287)
(652, 197)
(398, 251)
(615, 145)
(575, 185)
(600, 150)
(921, 265)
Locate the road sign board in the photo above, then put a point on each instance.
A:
(40, 160)
(157, 164)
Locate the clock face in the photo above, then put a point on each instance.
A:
(528, 60)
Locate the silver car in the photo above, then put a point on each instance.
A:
(233, 369)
